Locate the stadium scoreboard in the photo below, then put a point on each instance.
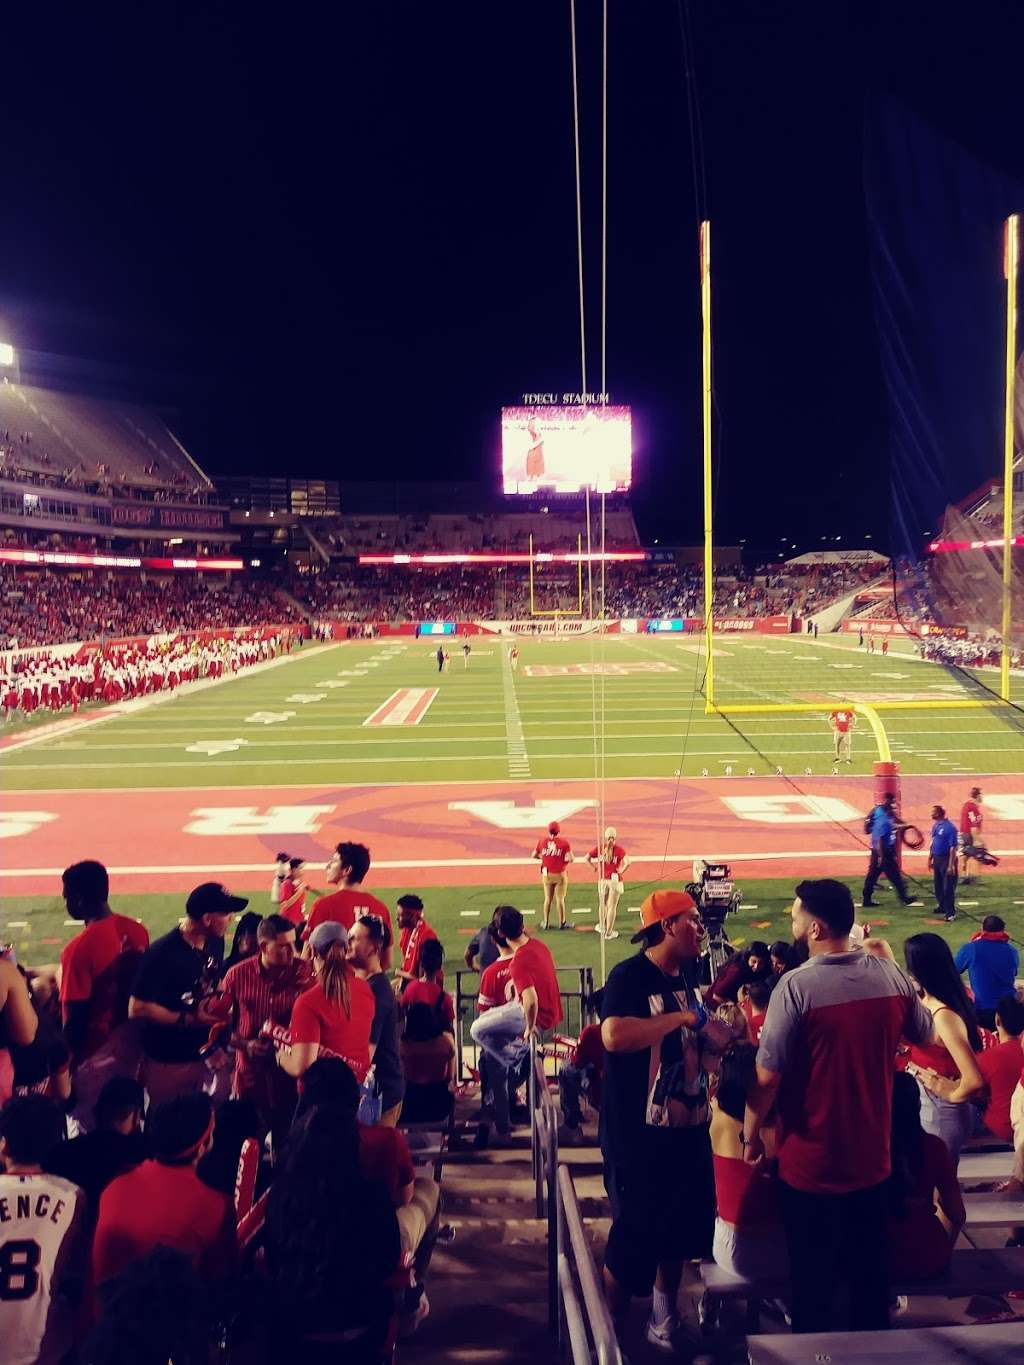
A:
(566, 448)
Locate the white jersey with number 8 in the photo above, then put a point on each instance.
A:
(41, 1228)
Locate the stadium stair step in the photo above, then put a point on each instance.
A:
(488, 1285)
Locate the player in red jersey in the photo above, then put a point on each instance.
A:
(555, 855)
(971, 821)
(843, 722)
(613, 863)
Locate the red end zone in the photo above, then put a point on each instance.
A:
(470, 833)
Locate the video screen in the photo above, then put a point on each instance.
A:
(566, 449)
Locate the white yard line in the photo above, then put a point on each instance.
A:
(515, 740)
(12, 874)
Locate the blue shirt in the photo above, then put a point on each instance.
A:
(883, 827)
(943, 838)
(992, 965)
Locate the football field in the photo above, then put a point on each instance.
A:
(449, 777)
(626, 706)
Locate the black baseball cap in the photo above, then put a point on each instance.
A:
(213, 899)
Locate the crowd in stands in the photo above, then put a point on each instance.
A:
(40, 681)
(398, 594)
(653, 590)
(41, 607)
(170, 1106)
(508, 532)
(802, 1117)
(192, 1124)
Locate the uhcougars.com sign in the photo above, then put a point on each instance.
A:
(759, 625)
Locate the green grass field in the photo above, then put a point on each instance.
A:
(304, 722)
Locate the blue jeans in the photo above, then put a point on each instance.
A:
(498, 1032)
(573, 1082)
(953, 1123)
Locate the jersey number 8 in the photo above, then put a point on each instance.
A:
(19, 1264)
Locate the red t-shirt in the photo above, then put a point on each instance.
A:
(495, 985)
(429, 993)
(842, 720)
(755, 1020)
(98, 965)
(345, 907)
(410, 941)
(316, 1020)
(617, 859)
(384, 1157)
(534, 966)
(294, 911)
(553, 852)
(970, 817)
(167, 1206)
(1001, 1068)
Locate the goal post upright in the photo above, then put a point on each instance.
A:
(709, 565)
(1012, 268)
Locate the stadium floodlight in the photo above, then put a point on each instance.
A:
(6, 353)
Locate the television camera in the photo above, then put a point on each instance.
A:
(716, 896)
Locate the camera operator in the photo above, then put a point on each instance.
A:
(177, 973)
(742, 969)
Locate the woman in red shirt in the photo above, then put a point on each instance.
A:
(922, 1175)
(749, 1236)
(946, 1069)
(333, 1018)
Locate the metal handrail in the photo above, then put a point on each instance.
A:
(596, 1309)
(567, 1243)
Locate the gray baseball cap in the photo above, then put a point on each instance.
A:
(327, 933)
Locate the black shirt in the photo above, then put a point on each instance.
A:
(174, 974)
(650, 1095)
(95, 1159)
(483, 947)
(387, 1062)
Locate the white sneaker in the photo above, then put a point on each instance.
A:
(664, 1336)
(612, 933)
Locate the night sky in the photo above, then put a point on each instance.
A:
(336, 246)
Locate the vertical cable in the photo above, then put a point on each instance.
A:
(579, 195)
(604, 203)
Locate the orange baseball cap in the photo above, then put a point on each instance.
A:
(661, 905)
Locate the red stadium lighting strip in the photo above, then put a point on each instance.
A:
(112, 561)
(194, 563)
(940, 546)
(609, 557)
(82, 561)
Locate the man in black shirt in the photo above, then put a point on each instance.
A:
(177, 973)
(367, 941)
(114, 1146)
(654, 1114)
